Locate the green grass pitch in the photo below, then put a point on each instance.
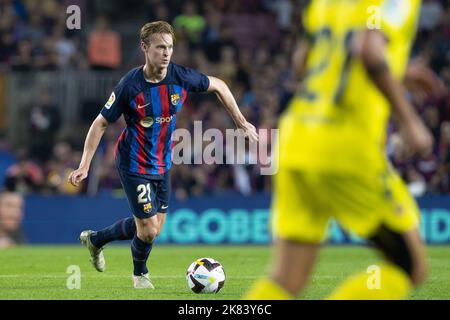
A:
(39, 272)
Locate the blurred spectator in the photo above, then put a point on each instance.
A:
(46, 58)
(11, 216)
(25, 176)
(227, 68)
(35, 29)
(430, 15)
(190, 182)
(7, 47)
(283, 10)
(59, 168)
(23, 60)
(107, 172)
(427, 167)
(444, 158)
(104, 47)
(64, 47)
(157, 10)
(189, 24)
(213, 23)
(44, 122)
(397, 151)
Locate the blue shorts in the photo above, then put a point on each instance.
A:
(146, 195)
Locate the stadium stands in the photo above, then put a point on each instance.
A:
(247, 43)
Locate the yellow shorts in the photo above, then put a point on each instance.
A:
(304, 203)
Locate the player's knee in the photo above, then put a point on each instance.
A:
(152, 233)
(159, 230)
(149, 234)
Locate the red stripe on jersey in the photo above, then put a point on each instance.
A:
(140, 134)
(183, 95)
(165, 114)
(117, 143)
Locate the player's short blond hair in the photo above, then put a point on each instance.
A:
(156, 27)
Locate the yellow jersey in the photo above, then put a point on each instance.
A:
(338, 120)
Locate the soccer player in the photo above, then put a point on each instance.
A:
(331, 158)
(148, 97)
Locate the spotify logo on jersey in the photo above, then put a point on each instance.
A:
(147, 122)
(164, 119)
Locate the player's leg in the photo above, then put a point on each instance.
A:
(146, 232)
(292, 264)
(142, 228)
(97, 258)
(123, 229)
(300, 225)
(403, 268)
(148, 226)
(162, 197)
(291, 267)
(141, 246)
(142, 243)
(395, 234)
(95, 240)
(161, 221)
(406, 250)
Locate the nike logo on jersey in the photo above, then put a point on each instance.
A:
(143, 106)
(164, 207)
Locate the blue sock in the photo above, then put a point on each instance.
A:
(124, 229)
(140, 252)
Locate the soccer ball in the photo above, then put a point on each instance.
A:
(205, 275)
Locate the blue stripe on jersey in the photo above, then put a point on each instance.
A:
(168, 156)
(148, 131)
(134, 146)
(157, 113)
(168, 146)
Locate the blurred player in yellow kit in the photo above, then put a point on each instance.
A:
(332, 141)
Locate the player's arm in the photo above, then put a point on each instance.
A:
(225, 96)
(371, 48)
(93, 138)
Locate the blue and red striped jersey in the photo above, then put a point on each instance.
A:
(149, 109)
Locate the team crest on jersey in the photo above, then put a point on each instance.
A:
(147, 207)
(111, 100)
(175, 98)
(147, 122)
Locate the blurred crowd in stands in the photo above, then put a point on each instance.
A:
(248, 43)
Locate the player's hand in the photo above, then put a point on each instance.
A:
(77, 176)
(249, 131)
(421, 80)
(417, 137)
